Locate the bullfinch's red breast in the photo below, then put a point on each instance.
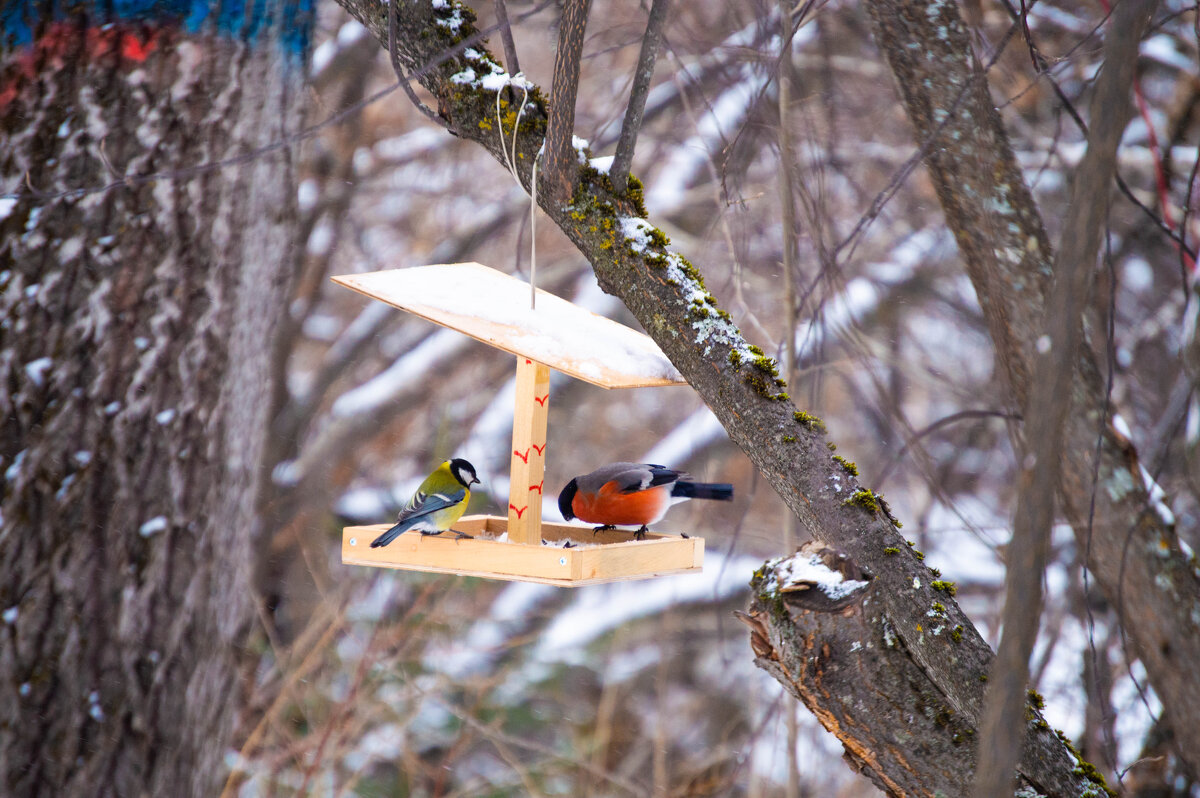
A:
(632, 494)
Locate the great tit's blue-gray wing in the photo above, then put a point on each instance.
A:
(417, 514)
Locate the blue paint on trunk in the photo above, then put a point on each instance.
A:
(288, 22)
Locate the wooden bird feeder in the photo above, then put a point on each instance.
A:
(493, 307)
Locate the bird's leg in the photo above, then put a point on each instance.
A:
(457, 535)
(640, 534)
(604, 528)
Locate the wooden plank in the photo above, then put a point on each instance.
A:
(527, 468)
(619, 559)
(493, 307)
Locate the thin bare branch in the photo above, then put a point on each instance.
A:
(559, 176)
(1003, 727)
(398, 68)
(619, 173)
(510, 47)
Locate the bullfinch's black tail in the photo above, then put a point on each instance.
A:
(703, 490)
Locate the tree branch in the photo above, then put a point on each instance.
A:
(510, 47)
(619, 173)
(847, 665)
(1049, 400)
(560, 154)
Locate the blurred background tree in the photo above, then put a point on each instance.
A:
(138, 347)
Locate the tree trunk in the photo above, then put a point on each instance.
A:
(136, 325)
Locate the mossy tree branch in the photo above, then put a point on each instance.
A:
(855, 674)
(665, 293)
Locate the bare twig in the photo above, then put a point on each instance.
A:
(560, 154)
(787, 211)
(510, 47)
(1002, 729)
(619, 173)
(405, 82)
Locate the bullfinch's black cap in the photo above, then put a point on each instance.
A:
(565, 498)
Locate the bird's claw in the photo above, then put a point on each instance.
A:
(603, 528)
(640, 534)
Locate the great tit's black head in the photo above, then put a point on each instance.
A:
(565, 498)
(464, 472)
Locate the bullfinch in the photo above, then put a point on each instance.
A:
(628, 494)
(439, 501)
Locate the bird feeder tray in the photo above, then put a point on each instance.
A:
(493, 307)
(608, 556)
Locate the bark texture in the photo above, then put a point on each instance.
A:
(852, 671)
(1131, 545)
(136, 326)
(665, 293)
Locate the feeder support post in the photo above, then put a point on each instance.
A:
(528, 467)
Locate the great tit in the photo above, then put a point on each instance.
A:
(628, 494)
(439, 501)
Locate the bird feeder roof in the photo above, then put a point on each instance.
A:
(493, 307)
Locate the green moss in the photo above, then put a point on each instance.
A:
(809, 421)
(936, 573)
(946, 587)
(983, 677)
(789, 438)
(863, 498)
(766, 365)
(891, 550)
(735, 358)
(1083, 768)
(763, 388)
(847, 466)
(635, 193)
(831, 446)
(920, 555)
(956, 634)
(939, 608)
(1036, 699)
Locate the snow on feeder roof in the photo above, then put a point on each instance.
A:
(493, 307)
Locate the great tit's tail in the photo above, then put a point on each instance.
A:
(391, 534)
(721, 492)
